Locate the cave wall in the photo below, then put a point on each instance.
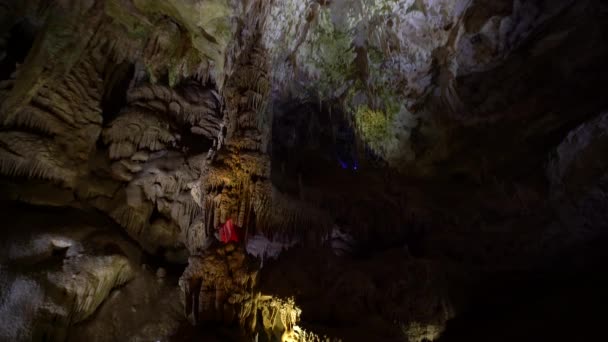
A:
(145, 115)
(126, 111)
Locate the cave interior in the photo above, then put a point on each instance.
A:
(303, 171)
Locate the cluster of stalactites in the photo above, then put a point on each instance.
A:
(221, 285)
(235, 184)
(147, 150)
(51, 136)
(148, 169)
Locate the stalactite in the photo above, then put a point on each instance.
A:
(30, 156)
(134, 220)
(150, 122)
(202, 111)
(37, 120)
(144, 130)
(122, 149)
(59, 125)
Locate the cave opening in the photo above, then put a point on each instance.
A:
(311, 141)
(20, 40)
(118, 79)
(194, 144)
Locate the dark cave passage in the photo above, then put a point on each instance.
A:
(115, 97)
(20, 39)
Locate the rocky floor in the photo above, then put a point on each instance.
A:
(72, 274)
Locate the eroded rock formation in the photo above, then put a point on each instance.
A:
(222, 285)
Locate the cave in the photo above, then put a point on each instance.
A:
(303, 171)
